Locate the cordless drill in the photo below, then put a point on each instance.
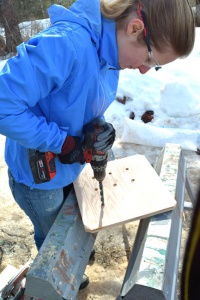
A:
(97, 158)
(43, 163)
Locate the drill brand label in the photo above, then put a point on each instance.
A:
(40, 162)
(41, 171)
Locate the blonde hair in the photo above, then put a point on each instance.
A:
(170, 22)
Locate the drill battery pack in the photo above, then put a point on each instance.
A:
(42, 165)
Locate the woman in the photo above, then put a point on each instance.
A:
(67, 75)
(146, 25)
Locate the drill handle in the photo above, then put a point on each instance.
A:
(92, 130)
(87, 146)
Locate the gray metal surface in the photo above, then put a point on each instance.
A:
(57, 271)
(173, 249)
(153, 273)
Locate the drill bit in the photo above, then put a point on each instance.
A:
(101, 192)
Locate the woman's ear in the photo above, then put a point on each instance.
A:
(135, 27)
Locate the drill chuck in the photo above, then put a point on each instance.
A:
(99, 167)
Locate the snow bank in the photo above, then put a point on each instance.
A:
(145, 134)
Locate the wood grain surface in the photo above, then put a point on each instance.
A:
(132, 190)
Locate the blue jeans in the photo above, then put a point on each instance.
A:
(41, 206)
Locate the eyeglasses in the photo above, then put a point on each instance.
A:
(151, 62)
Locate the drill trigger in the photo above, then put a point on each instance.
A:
(88, 155)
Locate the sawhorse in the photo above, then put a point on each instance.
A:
(154, 263)
(59, 266)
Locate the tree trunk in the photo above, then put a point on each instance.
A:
(42, 8)
(10, 24)
(3, 49)
(197, 15)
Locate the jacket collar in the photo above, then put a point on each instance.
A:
(108, 49)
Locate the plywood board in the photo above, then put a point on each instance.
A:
(132, 190)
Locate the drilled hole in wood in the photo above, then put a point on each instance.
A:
(93, 177)
(127, 168)
(132, 179)
(114, 184)
(110, 173)
(96, 189)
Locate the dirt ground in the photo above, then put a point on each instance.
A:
(113, 246)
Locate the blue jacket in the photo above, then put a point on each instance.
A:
(60, 80)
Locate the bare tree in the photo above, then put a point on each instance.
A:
(13, 12)
(10, 22)
(198, 13)
(42, 8)
(3, 49)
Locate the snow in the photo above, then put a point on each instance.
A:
(172, 93)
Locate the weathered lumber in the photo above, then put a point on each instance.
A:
(57, 270)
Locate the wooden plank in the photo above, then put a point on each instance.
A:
(132, 190)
